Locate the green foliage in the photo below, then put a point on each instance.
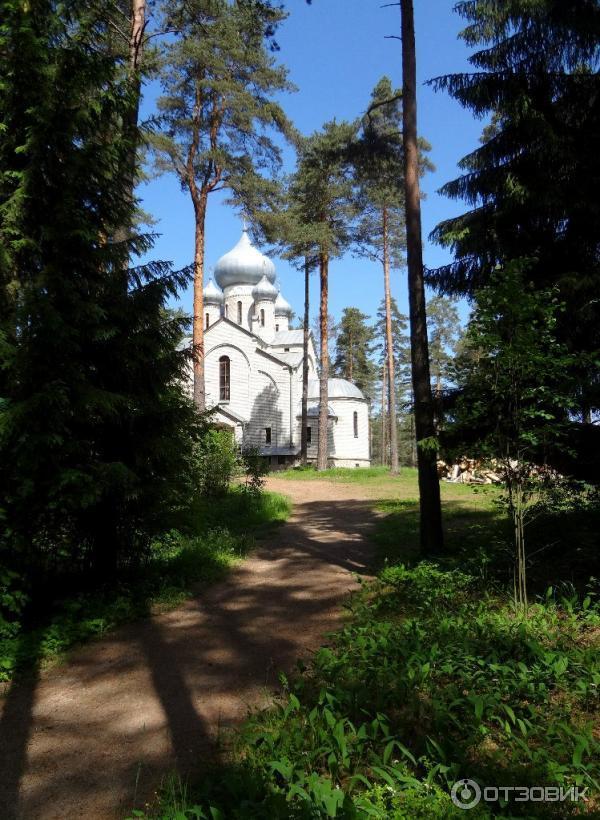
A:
(255, 469)
(353, 349)
(444, 330)
(217, 113)
(515, 395)
(176, 565)
(534, 72)
(217, 462)
(94, 429)
(514, 374)
(432, 680)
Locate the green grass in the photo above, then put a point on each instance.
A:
(358, 475)
(436, 677)
(179, 564)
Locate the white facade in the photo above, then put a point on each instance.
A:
(253, 369)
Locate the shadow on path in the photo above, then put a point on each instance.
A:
(156, 695)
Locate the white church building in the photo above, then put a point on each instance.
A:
(253, 369)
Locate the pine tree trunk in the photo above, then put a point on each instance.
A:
(383, 413)
(304, 419)
(198, 320)
(322, 451)
(137, 24)
(390, 346)
(431, 534)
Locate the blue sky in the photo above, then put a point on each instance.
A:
(336, 51)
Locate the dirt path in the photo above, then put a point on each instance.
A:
(156, 694)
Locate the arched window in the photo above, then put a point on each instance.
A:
(276, 328)
(262, 317)
(239, 313)
(224, 378)
(355, 424)
(227, 311)
(207, 320)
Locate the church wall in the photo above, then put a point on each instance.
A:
(219, 342)
(266, 411)
(243, 294)
(344, 450)
(346, 445)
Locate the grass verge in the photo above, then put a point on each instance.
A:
(225, 530)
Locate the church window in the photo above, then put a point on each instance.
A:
(239, 317)
(309, 435)
(227, 311)
(267, 435)
(207, 320)
(262, 317)
(224, 378)
(276, 328)
(355, 424)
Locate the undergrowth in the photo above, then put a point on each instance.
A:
(217, 535)
(434, 679)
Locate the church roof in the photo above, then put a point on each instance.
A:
(337, 389)
(264, 291)
(282, 306)
(243, 265)
(212, 294)
(288, 337)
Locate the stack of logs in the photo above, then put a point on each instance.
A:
(468, 471)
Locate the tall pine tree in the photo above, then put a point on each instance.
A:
(218, 115)
(323, 186)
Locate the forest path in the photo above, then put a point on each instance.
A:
(89, 737)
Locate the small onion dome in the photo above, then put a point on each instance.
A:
(264, 291)
(243, 265)
(282, 308)
(212, 294)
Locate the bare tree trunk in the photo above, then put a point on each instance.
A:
(323, 447)
(137, 25)
(304, 418)
(429, 487)
(350, 362)
(198, 320)
(390, 346)
(383, 413)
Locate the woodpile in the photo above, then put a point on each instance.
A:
(469, 471)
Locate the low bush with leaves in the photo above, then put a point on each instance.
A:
(433, 680)
(176, 565)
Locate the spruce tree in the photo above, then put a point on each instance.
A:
(532, 184)
(93, 423)
(218, 115)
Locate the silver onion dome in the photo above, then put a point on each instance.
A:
(282, 307)
(243, 265)
(212, 294)
(264, 291)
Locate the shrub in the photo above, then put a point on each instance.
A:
(217, 461)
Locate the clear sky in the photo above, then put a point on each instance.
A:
(336, 51)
